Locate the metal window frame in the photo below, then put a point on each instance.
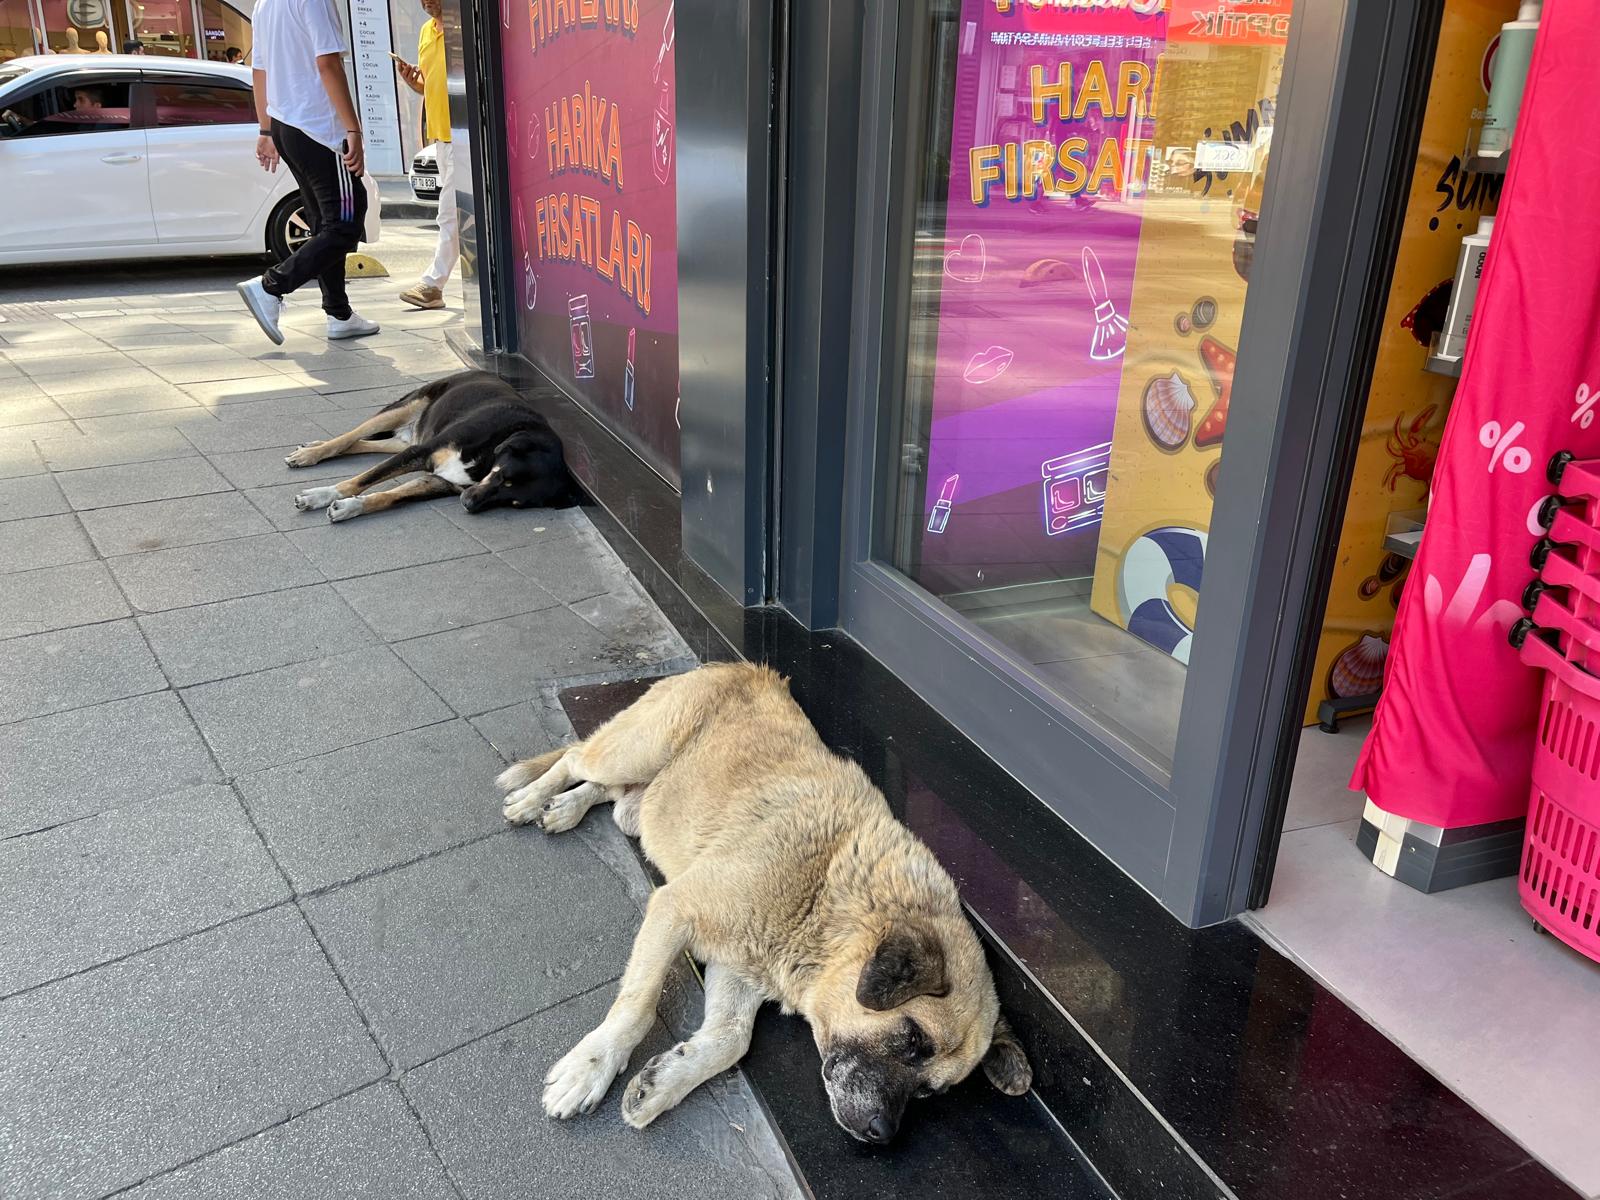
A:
(1189, 836)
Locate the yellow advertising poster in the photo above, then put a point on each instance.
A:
(1214, 110)
(1406, 405)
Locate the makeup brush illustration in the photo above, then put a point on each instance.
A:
(1110, 336)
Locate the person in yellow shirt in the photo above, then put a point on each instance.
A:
(427, 78)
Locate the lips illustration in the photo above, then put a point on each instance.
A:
(966, 262)
(987, 365)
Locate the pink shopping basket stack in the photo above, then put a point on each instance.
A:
(1559, 880)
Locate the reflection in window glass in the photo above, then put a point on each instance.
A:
(1083, 230)
(202, 104)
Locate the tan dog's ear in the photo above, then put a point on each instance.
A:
(1005, 1064)
(909, 962)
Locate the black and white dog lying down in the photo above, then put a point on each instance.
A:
(471, 433)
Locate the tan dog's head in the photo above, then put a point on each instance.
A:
(908, 1012)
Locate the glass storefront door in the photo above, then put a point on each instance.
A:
(1111, 263)
(1079, 237)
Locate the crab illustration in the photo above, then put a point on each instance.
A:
(1412, 453)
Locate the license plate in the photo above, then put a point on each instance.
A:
(425, 183)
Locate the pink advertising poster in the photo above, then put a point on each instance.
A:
(1036, 241)
(590, 101)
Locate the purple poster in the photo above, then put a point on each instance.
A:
(1048, 153)
(590, 102)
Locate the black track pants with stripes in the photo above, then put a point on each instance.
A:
(336, 206)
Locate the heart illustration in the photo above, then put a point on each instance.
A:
(966, 262)
(987, 365)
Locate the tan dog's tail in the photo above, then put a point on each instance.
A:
(525, 772)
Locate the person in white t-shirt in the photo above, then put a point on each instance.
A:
(307, 118)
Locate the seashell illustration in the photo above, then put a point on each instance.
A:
(1168, 410)
(1211, 477)
(1045, 270)
(1359, 670)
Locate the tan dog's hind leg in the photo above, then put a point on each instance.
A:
(580, 1080)
(722, 1040)
(356, 441)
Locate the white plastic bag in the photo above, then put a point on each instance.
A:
(374, 221)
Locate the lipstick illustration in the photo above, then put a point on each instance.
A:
(940, 516)
(627, 371)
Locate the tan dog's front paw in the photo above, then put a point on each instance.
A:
(581, 1079)
(655, 1089)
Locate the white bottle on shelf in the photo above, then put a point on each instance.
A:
(1464, 296)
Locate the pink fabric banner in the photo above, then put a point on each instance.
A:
(1452, 740)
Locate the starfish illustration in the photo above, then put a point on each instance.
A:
(1218, 361)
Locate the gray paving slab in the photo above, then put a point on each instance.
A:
(437, 596)
(30, 496)
(293, 404)
(135, 483)
(255, 432)
(501, 662)
(522, 730)
(74, 668)
(79, 453)
(115, 1074)
(42, 360)
(463, 1098)
(343, 420)
(138, 398)
(58, 598)
(203, 350)
(357, 379)
(366, 1146)
(210, 369)
(203, 574)
(236, 391)
(573, 567)
(629, 617)
(186, 521)
(276, 716)
(358, 810)
(254, 633)
(463, 943)
(94, 377)
(405, 536)
(377, 397)
(19, 458)
(24, 404)
(74, 763)
(264, 467)
(134, 876)
(508, 528)
(42, 542)
(166, 418)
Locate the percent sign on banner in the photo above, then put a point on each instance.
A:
(1503, 446)
(1585, 402)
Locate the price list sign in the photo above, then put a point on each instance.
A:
(370, 42)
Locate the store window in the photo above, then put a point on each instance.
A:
(89, 107)
(202, 104)
(589, 94)
(166, 27)
(16, 29)
(225, 29)
(74, 26)
(1081, 236)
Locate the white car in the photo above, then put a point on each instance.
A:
(108, 156)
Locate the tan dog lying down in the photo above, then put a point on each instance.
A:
(788, 876)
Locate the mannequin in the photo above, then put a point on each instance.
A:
(72, 46)
(102, 44)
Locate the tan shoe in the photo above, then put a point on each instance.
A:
(423, 296)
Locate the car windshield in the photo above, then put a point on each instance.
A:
(9, 73)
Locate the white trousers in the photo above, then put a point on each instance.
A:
(448, 249)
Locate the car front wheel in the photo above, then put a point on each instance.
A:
(288, 228)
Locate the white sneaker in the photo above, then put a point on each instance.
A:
(267, 309)
(355, 325)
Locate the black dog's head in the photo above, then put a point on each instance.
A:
(527, 471)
